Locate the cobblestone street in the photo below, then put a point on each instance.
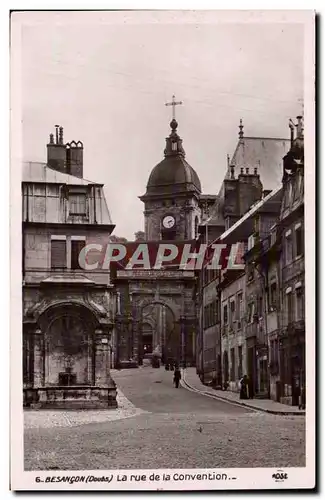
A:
(159, 426)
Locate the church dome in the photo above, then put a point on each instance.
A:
(173, 174)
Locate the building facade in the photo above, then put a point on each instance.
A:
(259, 327)
(68, 312)
(157, 309)
(291, 342)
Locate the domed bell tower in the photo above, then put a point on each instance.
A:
(171, 200)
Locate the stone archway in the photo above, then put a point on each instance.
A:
(165, 327)
(70, 359)
(69, 345)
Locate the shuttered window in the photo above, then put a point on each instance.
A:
(58, 254)
(76, 247)
(225, 314)
(77, 204)
(299, 241)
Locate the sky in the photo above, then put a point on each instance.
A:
(106, 76)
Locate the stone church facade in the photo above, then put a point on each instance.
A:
(67, 312)
(156, 310)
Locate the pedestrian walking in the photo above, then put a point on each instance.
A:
(243, 383)
(177, 376)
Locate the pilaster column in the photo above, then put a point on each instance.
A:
(38, 358)
(102, 364)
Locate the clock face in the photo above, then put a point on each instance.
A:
(168, 222)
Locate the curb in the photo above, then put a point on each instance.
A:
(188, 387)
(238, 403)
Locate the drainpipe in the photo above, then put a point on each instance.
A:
(265, 283)
(264, 276)
(202, 308)
(202, 324)
(95, 210)
(220, 332)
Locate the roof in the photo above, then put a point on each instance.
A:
(266, 204)
(46, 209)
(41, 172)
(264, 153)
(173, 174)
(216, 212)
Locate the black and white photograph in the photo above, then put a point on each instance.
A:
(162, 310)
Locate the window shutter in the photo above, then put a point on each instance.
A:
(76, 247)
(58, 254)
(77, 204)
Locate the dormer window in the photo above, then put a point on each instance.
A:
(77, 204)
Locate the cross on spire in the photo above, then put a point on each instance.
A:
(173, 103)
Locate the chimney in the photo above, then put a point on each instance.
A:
(61, 135)
(232, 172)
(249, 190)
(75, 158)
(56, 151)
(300, 127)
(292, 132)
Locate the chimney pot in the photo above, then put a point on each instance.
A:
(61, 135)
(232, 172)
(57, 134)
(56, 152)
(255, 171)
(242, 170)
(299, 126)
(75, 158)
(292, 131)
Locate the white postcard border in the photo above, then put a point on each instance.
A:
(250, 478)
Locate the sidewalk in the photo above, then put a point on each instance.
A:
(70, 418)
(191, 381)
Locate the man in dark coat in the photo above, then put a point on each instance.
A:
(244, 388)
(177, 376)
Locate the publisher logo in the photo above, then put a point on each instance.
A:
(279, 476)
